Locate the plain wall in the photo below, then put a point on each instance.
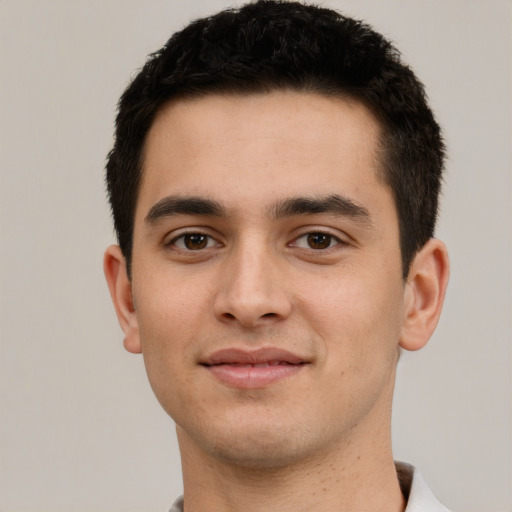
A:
(79, 427)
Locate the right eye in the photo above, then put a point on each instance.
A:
(193, 242)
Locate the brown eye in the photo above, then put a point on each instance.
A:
(195, 241)
(319, 240)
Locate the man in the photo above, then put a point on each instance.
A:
(274, 185)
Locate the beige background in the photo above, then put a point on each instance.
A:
(80, 429)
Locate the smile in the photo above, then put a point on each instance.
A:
(253, 369)
(265, 364)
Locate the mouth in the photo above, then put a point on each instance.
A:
(253, 369)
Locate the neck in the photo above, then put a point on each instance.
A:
(352, 476)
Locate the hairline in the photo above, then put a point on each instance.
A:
(382, 159)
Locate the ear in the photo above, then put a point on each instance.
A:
(114, 266)
(424, 294)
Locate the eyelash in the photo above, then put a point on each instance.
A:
(309, 239)
(190, 235)
(332, 240)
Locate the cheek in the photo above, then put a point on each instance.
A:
(170, 307)
(166, 328)
(170, 318)
(360, 317)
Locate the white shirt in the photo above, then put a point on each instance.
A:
(419, 496)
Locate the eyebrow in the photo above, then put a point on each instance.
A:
(191, 205)
(175, 205)
(334, 204)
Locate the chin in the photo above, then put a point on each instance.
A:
(254, 445)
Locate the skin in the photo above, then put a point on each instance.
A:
(319, 437)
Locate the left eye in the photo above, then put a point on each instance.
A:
(316, 241)
(194, 242)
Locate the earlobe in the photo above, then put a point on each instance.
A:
(114, 266)
(424, 294)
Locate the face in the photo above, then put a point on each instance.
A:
(266, 277)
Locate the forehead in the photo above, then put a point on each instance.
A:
(260, 147)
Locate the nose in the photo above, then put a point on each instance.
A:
(252, 291)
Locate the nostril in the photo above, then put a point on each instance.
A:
(231, 316)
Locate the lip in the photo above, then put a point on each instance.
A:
(253, 369)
